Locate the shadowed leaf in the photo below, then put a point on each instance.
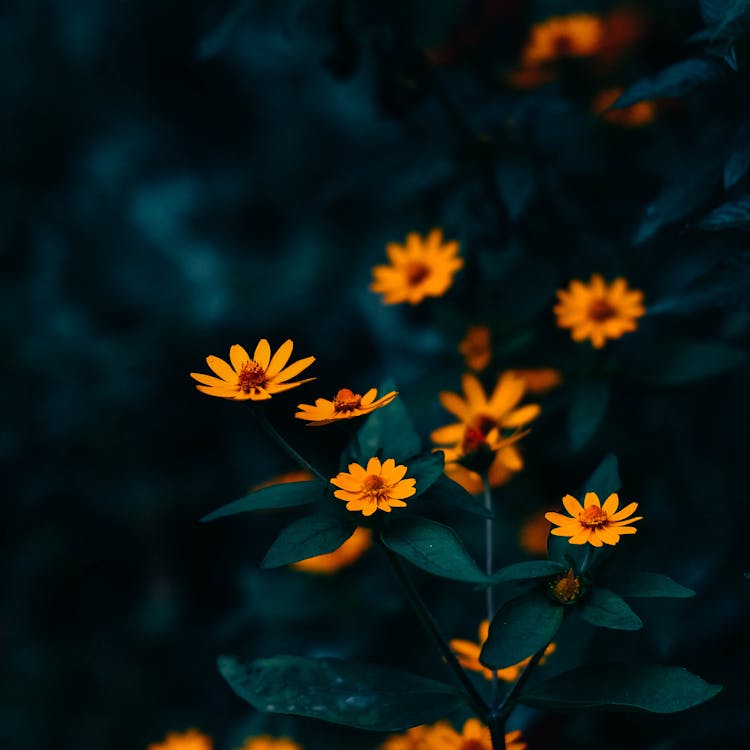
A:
(526, 571)
(732, 215)
(446, 491)
(607, 610)
(286, 495)
(588, 406)
(650, 585)
(308, 537)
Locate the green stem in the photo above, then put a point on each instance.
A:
(279, 440)
(489, 539)
(428, 621)
(508, 704)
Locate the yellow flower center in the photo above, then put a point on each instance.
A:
(600, 310)
(374, 486)
(251, 376)
(416, 272)
(593, 517)
(346, 400)
(566, 588)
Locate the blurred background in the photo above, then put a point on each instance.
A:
(182, 176)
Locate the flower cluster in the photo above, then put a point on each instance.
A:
(442, 736)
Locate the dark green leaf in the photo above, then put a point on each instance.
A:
(520, 628)
(308, 537)
(588, 405)
(270, 498)
(650, 585)
(739, 161)
(426, 468)
(607, 610)
(213, 43)
(525, 571)
(349, 693)
(446, 491)
(516, 181)
(604, 480)
(676, 80)
(433, 547)
(680, 362)
(732, 215)
(722, 15)
(625, 686)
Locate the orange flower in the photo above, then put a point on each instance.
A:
(256, 379)
(597, 311)
(533, 534)
(475, 348)
(566, 587)
(349, 552)
(635, 116)
(377, 487)
(267, 742)
(296, 475)
(423, 267)
(190, 740)
(416, 738)
(575, 35)
(539, 379)
(468, 656)
(442, 736)
(592, 522)
(345, 405)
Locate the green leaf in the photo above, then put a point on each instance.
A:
(516, 182)
(520, 628)
(308, 537)
(732, 215)
(738, 162)
(433, 547)
(446, 491)
(287, 495)
(426, 468)
(722, 15)
(625, 686)
(676, 80)
(526, 571)
(650, 585)
(588, 405)
(607, 610)
(341, 692)
(680, 362)
(604, 480)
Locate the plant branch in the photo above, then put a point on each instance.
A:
(508, 704)
(489, 540)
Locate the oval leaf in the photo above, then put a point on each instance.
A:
(588, 405)
(433, 547)
(689, 361)
(607, 610)
(520, 628)
(732, 215)
(525, 571)
(287, 495)
(426, 468)
(605, 479)
(625, 686)
(446, 491)
(308, 537)
(349, 693)
(651, 585)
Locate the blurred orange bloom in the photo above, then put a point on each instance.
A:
(347, 554)
(267, 742)
(190, 740)
(635, 116)
(296, 475)
(532, 537)
(539, 379)
(475, 348)
(574, 35)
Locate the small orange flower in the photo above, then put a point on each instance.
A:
(475, 348)
(416, 738)
(575, 35)
(345, 405)
(597, 311)
(190, 740)
(539, 379)
(349, 552)
(423, 267)
(533, 534)
(567, 587)
(442, 736)
(635, 116)
(377, 487)
(468, 656)
(267, 742)
(256, 378)
(592, 522)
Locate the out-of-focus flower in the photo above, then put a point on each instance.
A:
(532, 536)
(256, 378)
(529, 78)
(574, 35)
(296, 475)
(475, 348)
(345, 405)
(539, 379)
(349, 552)
(468, 656)
(592, 522)
(624, 27)
(442, 736)
(416, 738)
(423, 267)
(376, 487)
(635, 116)
(190, 740)
(597, 311)
(267, 742)
(567, 587)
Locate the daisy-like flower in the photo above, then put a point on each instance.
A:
(597, 311)
(442, 736)
(190, 740)
(539, 379)
(479, 416)
(468, 656)
(345, 405)
(635, 116)
(256, 378)
(267, 742)
(592, 522)
(423, 267)
(347, 554)
(475, 348)
(532, 536)
(416, 738)
(567, 587)
(376, 487)
(559, 37)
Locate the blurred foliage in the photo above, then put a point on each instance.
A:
(179, 177)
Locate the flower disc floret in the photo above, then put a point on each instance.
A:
(597, 311)
(254, 378)
(422, 267)
(346, 404)
(378, 486)
(566, 588)
(592, 522)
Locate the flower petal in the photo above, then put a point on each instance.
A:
(238, 356)
(590, 499)
(572, 506)
(262, 353)
(293, 369)
(221, 368)
(279, 359)
(610, 505)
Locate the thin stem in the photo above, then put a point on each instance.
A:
(429, 623)
(497, 734)
(489, 540)
(271, 430)
(508, 703)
